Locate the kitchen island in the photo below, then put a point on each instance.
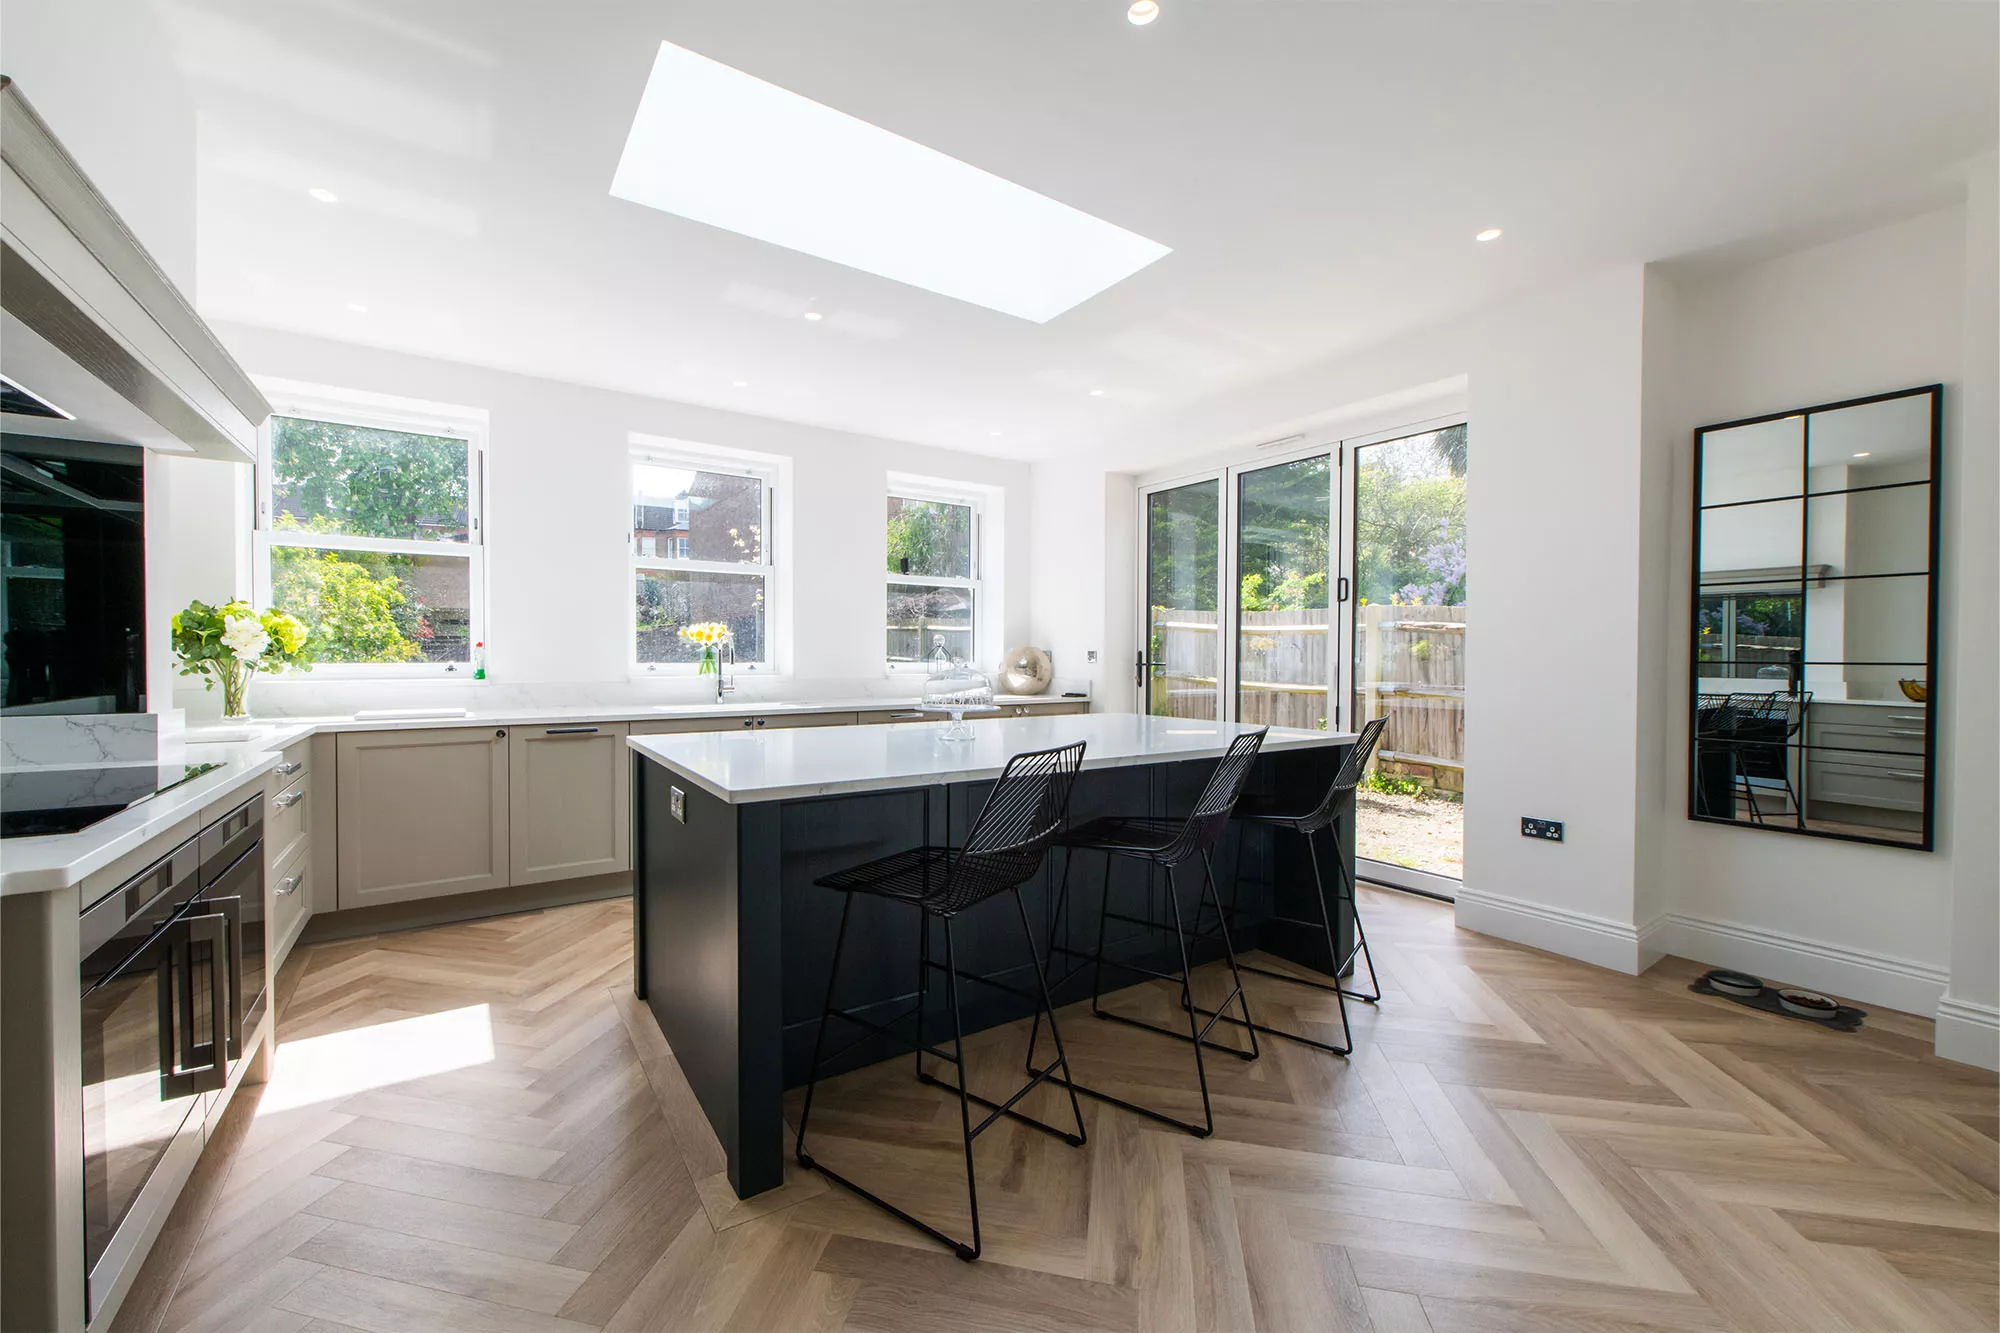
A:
(733, 941)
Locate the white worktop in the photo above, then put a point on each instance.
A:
(61, 860)
(743, 768)
(249, 750)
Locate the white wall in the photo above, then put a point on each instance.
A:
(1869, 313)
(1082, 570)
(557, 497)
(1969, 1015)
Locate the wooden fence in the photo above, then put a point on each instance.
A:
(1410, 669)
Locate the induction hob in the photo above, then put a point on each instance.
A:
(35, 802)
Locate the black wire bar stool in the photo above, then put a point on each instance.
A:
(1275, 812)
(1166, 844)
(1004, 848)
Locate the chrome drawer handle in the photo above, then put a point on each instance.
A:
(570, 731)
(1903, 731)
(288, 768)
(289, 799)
(1904, 717)
(905, 717)
(291, 885)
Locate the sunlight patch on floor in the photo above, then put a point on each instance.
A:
(339, 1064)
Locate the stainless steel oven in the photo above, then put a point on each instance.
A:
(172, 980)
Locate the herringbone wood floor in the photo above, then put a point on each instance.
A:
(475, 1127)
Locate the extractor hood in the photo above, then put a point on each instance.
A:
(96, 343)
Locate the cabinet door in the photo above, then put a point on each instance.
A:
(422, 813)
(569, 788)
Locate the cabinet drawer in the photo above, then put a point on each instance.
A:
(775, 721)
(292, 765)
(1887, 782)
(289, 907)
(287, 822)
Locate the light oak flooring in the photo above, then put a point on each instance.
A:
(475, 1127)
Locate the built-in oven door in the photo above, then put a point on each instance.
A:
(232, 855)
(139, 1014)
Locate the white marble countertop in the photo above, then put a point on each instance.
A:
(743, 768)
(249, 750)
(62, 860)
(409, 719)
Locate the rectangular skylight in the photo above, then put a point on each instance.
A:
(721, 147)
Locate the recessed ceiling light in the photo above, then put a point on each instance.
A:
(994, 433)
(1490, 234)
(1097, 393)
(1143, 12)
(357, 307)
(324, 195)
(741, 384)
(721, 147)
(814, 315)
(1862, 454)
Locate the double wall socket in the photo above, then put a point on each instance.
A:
(677, 803)
(1549, 830)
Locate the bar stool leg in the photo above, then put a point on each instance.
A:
(1349, 894)
(1210, 893)
(1055, 919)
(819, 1038)
(1048, 1003)
(923, 983)
(964, 1251)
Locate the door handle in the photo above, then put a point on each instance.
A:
(212, 1073)
(289, 799)
(290, 885)
(1341, 595)
(288, 768)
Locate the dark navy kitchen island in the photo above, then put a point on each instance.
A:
(733, 941)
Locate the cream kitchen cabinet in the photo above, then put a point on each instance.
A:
(422, 814)
(568, 789)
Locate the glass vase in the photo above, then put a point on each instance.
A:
(235, 678)
(709, 665)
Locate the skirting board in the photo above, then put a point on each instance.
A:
(1968, 1032)
(1893, 983)
(1580, 935)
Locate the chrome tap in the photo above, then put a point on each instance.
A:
(723, 683)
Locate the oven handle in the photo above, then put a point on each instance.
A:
(232, 911)
(175, 1082)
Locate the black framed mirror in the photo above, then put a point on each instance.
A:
(1815, 620)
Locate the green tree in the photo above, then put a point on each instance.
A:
(936, 539)
(364, 482)
(353, 603)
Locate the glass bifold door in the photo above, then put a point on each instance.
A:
(1321, 589)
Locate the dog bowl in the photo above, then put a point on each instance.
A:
(1740, 984)
(1807, 1004)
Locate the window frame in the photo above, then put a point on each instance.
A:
(939, 493)
(702, 458)
(379, 412)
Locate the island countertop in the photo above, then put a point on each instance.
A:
(744, 768)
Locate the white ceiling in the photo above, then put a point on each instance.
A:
(1318, 169)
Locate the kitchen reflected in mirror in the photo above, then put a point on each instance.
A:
(1815, 620)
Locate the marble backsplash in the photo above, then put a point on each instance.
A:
(306, 696)
(79, 740)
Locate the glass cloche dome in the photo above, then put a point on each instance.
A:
(954, 687)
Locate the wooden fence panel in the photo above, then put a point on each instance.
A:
(1411, 670)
